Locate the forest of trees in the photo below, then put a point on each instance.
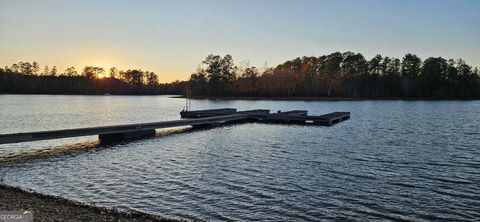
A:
(26, 78)
(347, 75)
(338, 75)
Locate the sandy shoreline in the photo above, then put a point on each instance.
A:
(51, 208)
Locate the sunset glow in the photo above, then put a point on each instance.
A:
(168, 37)
(227, 110)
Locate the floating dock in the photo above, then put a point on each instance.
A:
(197, 118)
(264, 115)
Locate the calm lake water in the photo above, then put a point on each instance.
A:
(393, 160)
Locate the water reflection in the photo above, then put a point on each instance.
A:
(72, 149)
(393, 160)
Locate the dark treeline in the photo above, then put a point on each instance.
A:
(26, 78)
(340, 75)
(347, 75)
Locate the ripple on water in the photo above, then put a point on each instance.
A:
(393, 160)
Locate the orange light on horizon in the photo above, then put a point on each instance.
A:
(106, 70)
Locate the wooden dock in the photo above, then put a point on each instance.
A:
(264, 115)
(196, 118)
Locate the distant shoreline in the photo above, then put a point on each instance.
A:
(50, 208)
(307, 98)
(277, 98)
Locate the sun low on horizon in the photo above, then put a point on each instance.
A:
(106, 71)
(228, 110)
(172, 38)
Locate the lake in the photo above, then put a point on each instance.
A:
(393, 160)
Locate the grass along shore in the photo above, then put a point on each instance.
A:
(52, 208)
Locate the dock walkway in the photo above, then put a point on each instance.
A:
(264, 115)
(195, 118)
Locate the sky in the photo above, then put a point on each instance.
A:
(171, 38)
